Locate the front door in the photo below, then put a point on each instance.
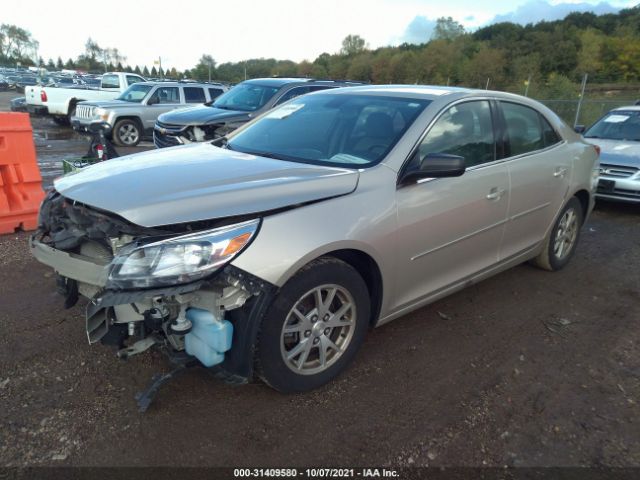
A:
(451, 228)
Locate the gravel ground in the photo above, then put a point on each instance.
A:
(528, 368)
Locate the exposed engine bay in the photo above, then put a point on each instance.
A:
(192, 319)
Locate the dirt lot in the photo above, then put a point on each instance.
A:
(527, 368)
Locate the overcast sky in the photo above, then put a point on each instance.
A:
(235, 30)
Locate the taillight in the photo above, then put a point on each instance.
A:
(597, 149)
(100, 151)
(43, 95)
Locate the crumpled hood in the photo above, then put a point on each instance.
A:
(618, 152)
(200, 182)
(202, 115)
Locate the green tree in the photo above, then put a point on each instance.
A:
(16, 42)
(59, 63)
(447, 29)
(145, 71)
(487, 64)
(352, 45)
(360, 67)
(205, 65)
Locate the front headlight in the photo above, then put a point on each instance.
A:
(100, 113)
(181, 259)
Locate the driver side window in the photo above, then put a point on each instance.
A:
(466, 129)
(164, 95)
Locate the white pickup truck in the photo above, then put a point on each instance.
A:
(61, 102)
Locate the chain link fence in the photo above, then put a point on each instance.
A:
(590, 110)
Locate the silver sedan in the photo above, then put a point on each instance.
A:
(272, 251)
(617, 134)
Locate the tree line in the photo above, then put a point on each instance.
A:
(547, 57)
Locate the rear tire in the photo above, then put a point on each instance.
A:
(314, 327)
(560, 245)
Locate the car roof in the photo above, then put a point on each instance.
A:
(178, 84)
(281, 81)
(428, 92)
(635, 108)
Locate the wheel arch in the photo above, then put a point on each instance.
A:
(134, 118)
(72, 104)
(366, 266)
(584, 197)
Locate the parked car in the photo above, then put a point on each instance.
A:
(617, 134)
(4, 84)
(61, 102)
(133, 114)
(13, 80)
(24, 82)
(243, 102)
(279, 245)
(19, 104)
(63, 82)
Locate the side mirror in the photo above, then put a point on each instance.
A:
(435, 165)
(579, 129)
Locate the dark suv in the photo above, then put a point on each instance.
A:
(229, 111)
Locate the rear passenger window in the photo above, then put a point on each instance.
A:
(215, 93)
(524, 128)
(549, 135)
(194, 95)
(466, 130)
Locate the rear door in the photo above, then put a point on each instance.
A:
(540, 171)
(451, 228)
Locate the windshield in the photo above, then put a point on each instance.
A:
(331, 129)
(245, 97)
(135, 93)
(617, 125)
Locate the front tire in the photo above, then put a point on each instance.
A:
(560, 245)
(127, 133)
(314, 327)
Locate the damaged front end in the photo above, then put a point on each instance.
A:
(169, 287)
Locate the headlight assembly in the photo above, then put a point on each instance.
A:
(181, 259)
(100, 113)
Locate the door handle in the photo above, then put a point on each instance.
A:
(560, 171)
(495, 194)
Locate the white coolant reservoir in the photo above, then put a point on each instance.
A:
(209, 338)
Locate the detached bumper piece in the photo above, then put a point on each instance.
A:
(70, 265)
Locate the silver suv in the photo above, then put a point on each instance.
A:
(277, 247)
(133, 114)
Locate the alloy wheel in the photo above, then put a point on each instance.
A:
(318, 329)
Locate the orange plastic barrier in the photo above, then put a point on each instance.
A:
(20, 181)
